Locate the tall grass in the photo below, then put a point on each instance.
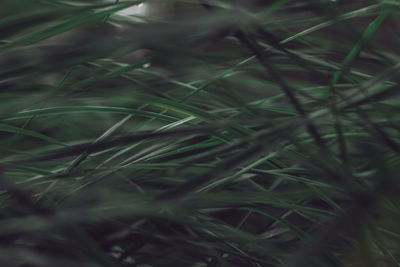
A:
(247, 134)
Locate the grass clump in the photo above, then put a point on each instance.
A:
(209, 133)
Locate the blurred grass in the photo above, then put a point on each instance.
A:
(224, 133)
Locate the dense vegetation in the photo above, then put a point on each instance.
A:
(250, 133)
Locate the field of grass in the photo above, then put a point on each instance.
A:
(252, 133)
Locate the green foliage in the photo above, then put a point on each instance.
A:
(221, 134)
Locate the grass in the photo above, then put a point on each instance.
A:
(240, 135)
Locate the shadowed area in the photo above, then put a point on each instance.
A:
(199, 133)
